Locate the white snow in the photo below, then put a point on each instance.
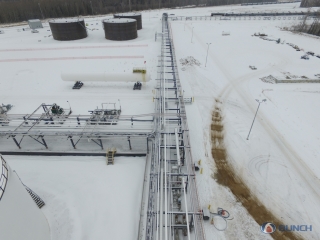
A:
(119, 20)
(280, 161)
(66, 20)
(85, 198)
(127, 14)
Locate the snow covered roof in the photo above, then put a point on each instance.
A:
(34, 20)
(119, 20)
(66, 20)
(127, 14)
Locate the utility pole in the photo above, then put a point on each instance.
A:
(41, 11)
(91, 8)
(207, 53)
(192, 34)
(255, 115)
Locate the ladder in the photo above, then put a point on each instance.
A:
(35, 197)
(110, 156)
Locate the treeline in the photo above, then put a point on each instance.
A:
(22, 10)
(310, 3)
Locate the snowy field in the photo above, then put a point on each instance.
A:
(85, 198)
(279, 162)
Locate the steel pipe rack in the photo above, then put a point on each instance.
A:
(173, 206)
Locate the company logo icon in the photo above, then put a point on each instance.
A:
(268, 227)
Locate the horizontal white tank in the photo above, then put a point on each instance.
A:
(105, 77)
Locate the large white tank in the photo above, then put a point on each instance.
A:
(20, 217)
(104, 77)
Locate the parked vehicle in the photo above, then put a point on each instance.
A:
(306, 57)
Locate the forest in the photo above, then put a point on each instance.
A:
(12, 11)
(22, 10)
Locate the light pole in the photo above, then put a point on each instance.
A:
(41, 11)
(263, 100)
(207, 53)
(192, 34)
(91, 7)
(70, 107)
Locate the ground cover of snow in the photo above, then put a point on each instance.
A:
(85, 198)
(279, 162)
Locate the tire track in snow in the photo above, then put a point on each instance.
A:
(236, 82)
(284, 145)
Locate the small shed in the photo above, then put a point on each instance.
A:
(35, 23)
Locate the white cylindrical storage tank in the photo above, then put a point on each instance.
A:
(105, 77)
(20, 217)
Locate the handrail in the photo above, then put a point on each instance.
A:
(3, 176)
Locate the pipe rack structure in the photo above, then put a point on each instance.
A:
(173, 210)
(94, 127)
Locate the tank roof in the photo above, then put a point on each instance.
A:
(119, 20)
(127, 14)
(34, 20)
(66, 20)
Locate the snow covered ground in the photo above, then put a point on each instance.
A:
(279, 163)
(85, 198)
(31, 65)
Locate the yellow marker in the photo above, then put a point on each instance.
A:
(152, 99)
(199, 162)
(209, 206)
(201, 170)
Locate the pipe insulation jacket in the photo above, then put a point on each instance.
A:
(105, 77)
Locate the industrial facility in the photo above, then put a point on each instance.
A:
(68, 29)
(113, 131)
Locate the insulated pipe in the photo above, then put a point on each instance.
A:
(186, 206)
(161, 204)
(177, 147)
(104, 77)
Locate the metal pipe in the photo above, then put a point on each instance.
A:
(161, 203)
(104, 77)
(158, 196)
(186, 207)
(177, 147)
